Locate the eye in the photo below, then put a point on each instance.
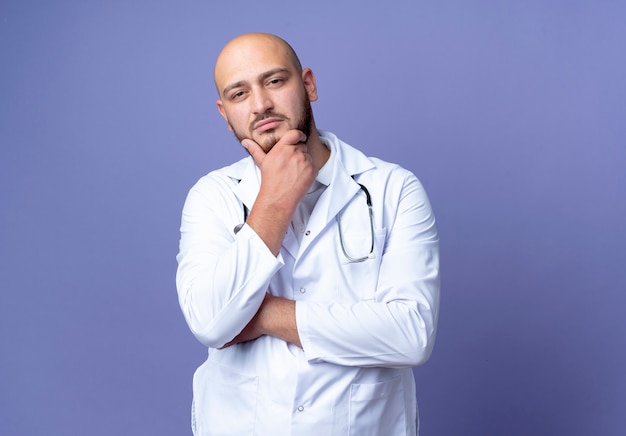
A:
(237, 95)
(275, 81)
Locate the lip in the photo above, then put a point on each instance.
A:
(267, 124)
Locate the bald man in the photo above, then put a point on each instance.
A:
(310, 271)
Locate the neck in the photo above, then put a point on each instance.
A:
(318, 151)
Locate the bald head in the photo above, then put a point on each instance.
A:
(241, 53)
(263, 90)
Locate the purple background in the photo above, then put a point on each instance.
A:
(513, 114)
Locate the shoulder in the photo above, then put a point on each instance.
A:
(223, 178)
(392, 174)
(359, 165)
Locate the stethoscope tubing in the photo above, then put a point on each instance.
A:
(351, 259)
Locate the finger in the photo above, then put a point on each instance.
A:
(255, 150)
(224, 346)
(293, 137)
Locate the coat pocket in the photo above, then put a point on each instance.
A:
(378, 408)
(358, 280)
(224, 401)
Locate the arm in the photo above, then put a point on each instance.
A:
(276, 317)
(397, 327)
(287, 173)
(222, 278)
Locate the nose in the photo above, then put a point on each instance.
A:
(261, 101)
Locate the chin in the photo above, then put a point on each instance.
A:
(268, 140)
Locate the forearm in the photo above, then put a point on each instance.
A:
(277, 317)
(270, 221)
(395, 334)
(287, 172)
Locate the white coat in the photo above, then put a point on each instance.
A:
(362, 325)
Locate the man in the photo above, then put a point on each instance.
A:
(309, 271)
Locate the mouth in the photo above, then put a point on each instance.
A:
(267, 124)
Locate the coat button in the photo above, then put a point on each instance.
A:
(302, 290)
(308, 232)
(300, 408)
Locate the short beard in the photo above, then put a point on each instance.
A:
(305, 124)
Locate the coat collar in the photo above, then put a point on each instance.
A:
(346, 163)
(249, 178)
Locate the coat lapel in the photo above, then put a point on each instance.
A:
(249, 182)
(347, 162)
(247, 191)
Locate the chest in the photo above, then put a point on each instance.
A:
(334, 260)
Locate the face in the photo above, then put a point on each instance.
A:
(262, 92)
(267, 128)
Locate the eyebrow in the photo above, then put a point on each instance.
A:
(262, 76)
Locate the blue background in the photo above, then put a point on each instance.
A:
(513, 115)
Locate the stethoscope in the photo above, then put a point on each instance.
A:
(348, 256)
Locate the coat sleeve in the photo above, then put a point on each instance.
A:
(222, 277)
(397, 327)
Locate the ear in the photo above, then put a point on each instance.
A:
(222, 111)
(308, 78)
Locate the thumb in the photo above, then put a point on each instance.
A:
(255, 150)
